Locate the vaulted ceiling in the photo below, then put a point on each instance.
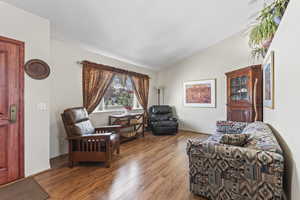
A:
(151, 33)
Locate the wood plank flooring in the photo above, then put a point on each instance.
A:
(150, 168)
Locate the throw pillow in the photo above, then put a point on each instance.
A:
(230, 127)
(234, 139)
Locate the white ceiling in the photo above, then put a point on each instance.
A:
(150, 33)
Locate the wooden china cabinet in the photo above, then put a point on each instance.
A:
(244, 94)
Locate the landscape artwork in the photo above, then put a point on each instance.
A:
(199, 93)
(268, 92)
(268, 87)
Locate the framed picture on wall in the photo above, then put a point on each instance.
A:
(268, 76)
(200, 93)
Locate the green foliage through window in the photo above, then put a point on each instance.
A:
(120, 93)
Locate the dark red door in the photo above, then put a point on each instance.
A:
(11, 110)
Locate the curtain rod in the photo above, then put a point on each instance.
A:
(118, 70)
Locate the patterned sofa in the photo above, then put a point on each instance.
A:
(224, 172)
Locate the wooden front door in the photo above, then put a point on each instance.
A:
(11, 110)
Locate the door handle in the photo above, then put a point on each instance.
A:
(13, 111)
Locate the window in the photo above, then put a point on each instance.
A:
(119, 94)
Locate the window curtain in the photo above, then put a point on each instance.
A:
(141, 87)
(95, 83)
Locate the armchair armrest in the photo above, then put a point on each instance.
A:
(90, 136)
(230, 127)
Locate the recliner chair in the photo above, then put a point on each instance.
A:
(87, 143)
(161, 120)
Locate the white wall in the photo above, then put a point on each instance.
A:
(285, 117)
(34, 31)
(212, 63)
(230, 54)
(66, 87)
(64, 83)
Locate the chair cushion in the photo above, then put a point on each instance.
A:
(82, 128)
(230, 127)
(160, 117)
(170, 123)
(234, 139)
(161, 109)
(75, 115)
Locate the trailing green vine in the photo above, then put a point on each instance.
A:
(267, 22)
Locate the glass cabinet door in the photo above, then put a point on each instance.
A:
(239, 88)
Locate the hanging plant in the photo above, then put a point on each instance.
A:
(259, 52)
(262, 33)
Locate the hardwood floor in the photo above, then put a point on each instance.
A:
(150, 168)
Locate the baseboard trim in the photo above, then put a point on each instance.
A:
(46, 170)
(56, 162)
(57, 157)
(193, 131)
(39, 173)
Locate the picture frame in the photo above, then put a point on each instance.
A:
(268, 81)
(200, 93)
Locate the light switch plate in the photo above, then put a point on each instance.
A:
(42, 106)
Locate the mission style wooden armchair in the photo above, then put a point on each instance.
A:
(87, 143)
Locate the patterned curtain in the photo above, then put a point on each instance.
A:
(95, 83)
(141, 87)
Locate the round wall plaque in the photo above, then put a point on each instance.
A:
(37, 69)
